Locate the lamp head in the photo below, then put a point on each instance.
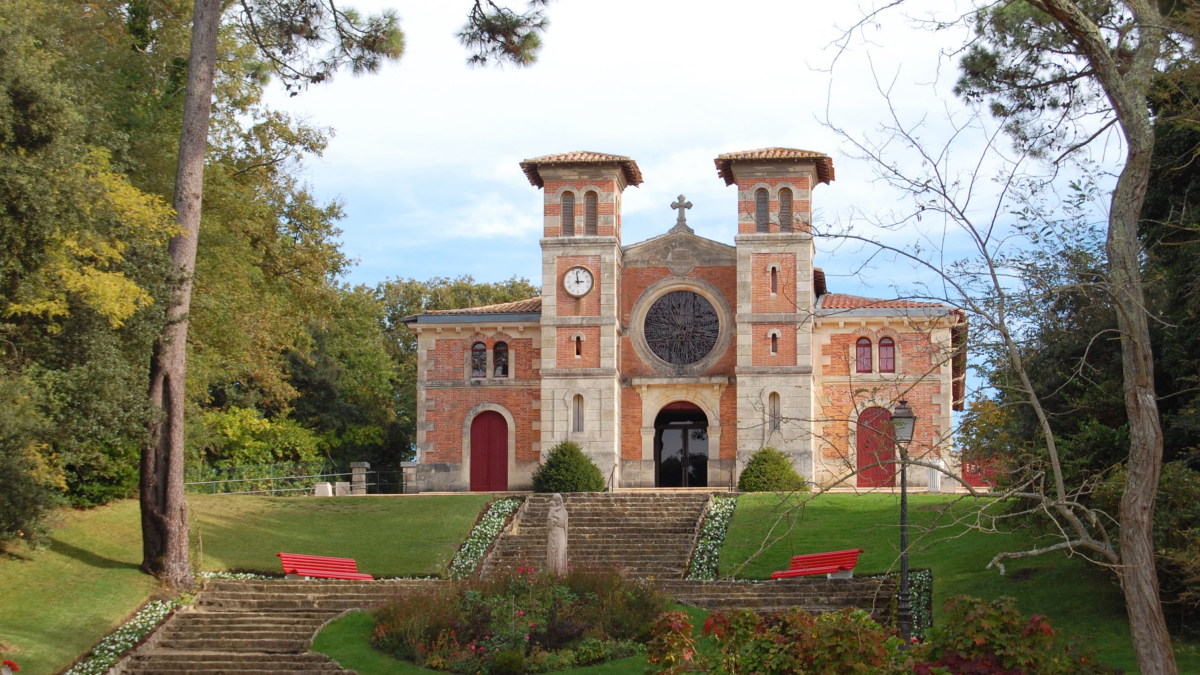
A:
(903, 422)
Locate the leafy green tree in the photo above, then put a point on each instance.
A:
(30, 482)
(348, 383)
(81, 265)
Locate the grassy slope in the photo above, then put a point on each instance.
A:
(1078, 598)
(388, 536)
(57, 602)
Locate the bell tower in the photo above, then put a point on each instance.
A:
(581, 277)
(775, 297)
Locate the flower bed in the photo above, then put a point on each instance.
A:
(523, 622)
(485, 532)
(113, 646)
(712, 536)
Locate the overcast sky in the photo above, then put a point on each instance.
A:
(425, 153)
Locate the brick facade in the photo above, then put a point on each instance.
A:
(781, 370)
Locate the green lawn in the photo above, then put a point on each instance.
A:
(388, 536)
(1078, 597)
(59, 601)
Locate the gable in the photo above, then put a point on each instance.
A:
(679, 248)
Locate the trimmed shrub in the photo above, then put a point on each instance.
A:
(770, 470)
(567, 469)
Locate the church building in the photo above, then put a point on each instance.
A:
(671, 360)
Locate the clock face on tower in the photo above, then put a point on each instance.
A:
(578, 281)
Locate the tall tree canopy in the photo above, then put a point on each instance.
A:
(1060, 73)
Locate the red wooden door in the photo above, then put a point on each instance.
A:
(876, 449)
(489, 452)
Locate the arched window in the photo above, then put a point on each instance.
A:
(577, 413)
(774, 418)
(762, 202)
(568, 214)
(887, 355)
(785, 210)
(578, 346)
(774, 343)
(589, 213)
(774, 280)
(862, 355)
(500, 359)
(478, 360)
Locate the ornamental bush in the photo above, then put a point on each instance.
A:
(976, 637)
(770, 470)
(995, 638)
(567, 469)
(522, 622)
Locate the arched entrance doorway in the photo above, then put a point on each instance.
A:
(489, 452)
(876, 441)
(681, 446)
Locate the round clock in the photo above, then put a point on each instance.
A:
(578, 281)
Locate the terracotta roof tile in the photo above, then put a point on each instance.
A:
(843, 301)
(725, 162)
(633, 175)
(518, 307)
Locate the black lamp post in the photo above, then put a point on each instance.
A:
(903, 422)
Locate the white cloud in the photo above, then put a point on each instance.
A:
(426, 152)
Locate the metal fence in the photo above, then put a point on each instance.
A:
(299, 478)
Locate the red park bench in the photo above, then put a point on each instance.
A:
(835, 564)
(320, 566)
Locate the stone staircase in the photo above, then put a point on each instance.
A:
(649, 535)
(256, 627)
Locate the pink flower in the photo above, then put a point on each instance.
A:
(520, 612)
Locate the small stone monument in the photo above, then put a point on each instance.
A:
(556, 536)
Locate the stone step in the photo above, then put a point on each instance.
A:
(333, 604)
(211, 633)
(227, 643)
(237, 620)
(218, 661)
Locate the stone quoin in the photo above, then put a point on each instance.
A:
(671, 360)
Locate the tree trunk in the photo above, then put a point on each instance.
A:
(1139, 580)
(164, 510)
(1126, 85)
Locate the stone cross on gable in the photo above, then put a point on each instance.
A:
(681, 220)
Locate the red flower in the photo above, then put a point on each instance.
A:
(11, 665)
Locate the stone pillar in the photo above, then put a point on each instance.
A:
(408, 471)
(324, 490)
(358, 477)
(341, 488)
